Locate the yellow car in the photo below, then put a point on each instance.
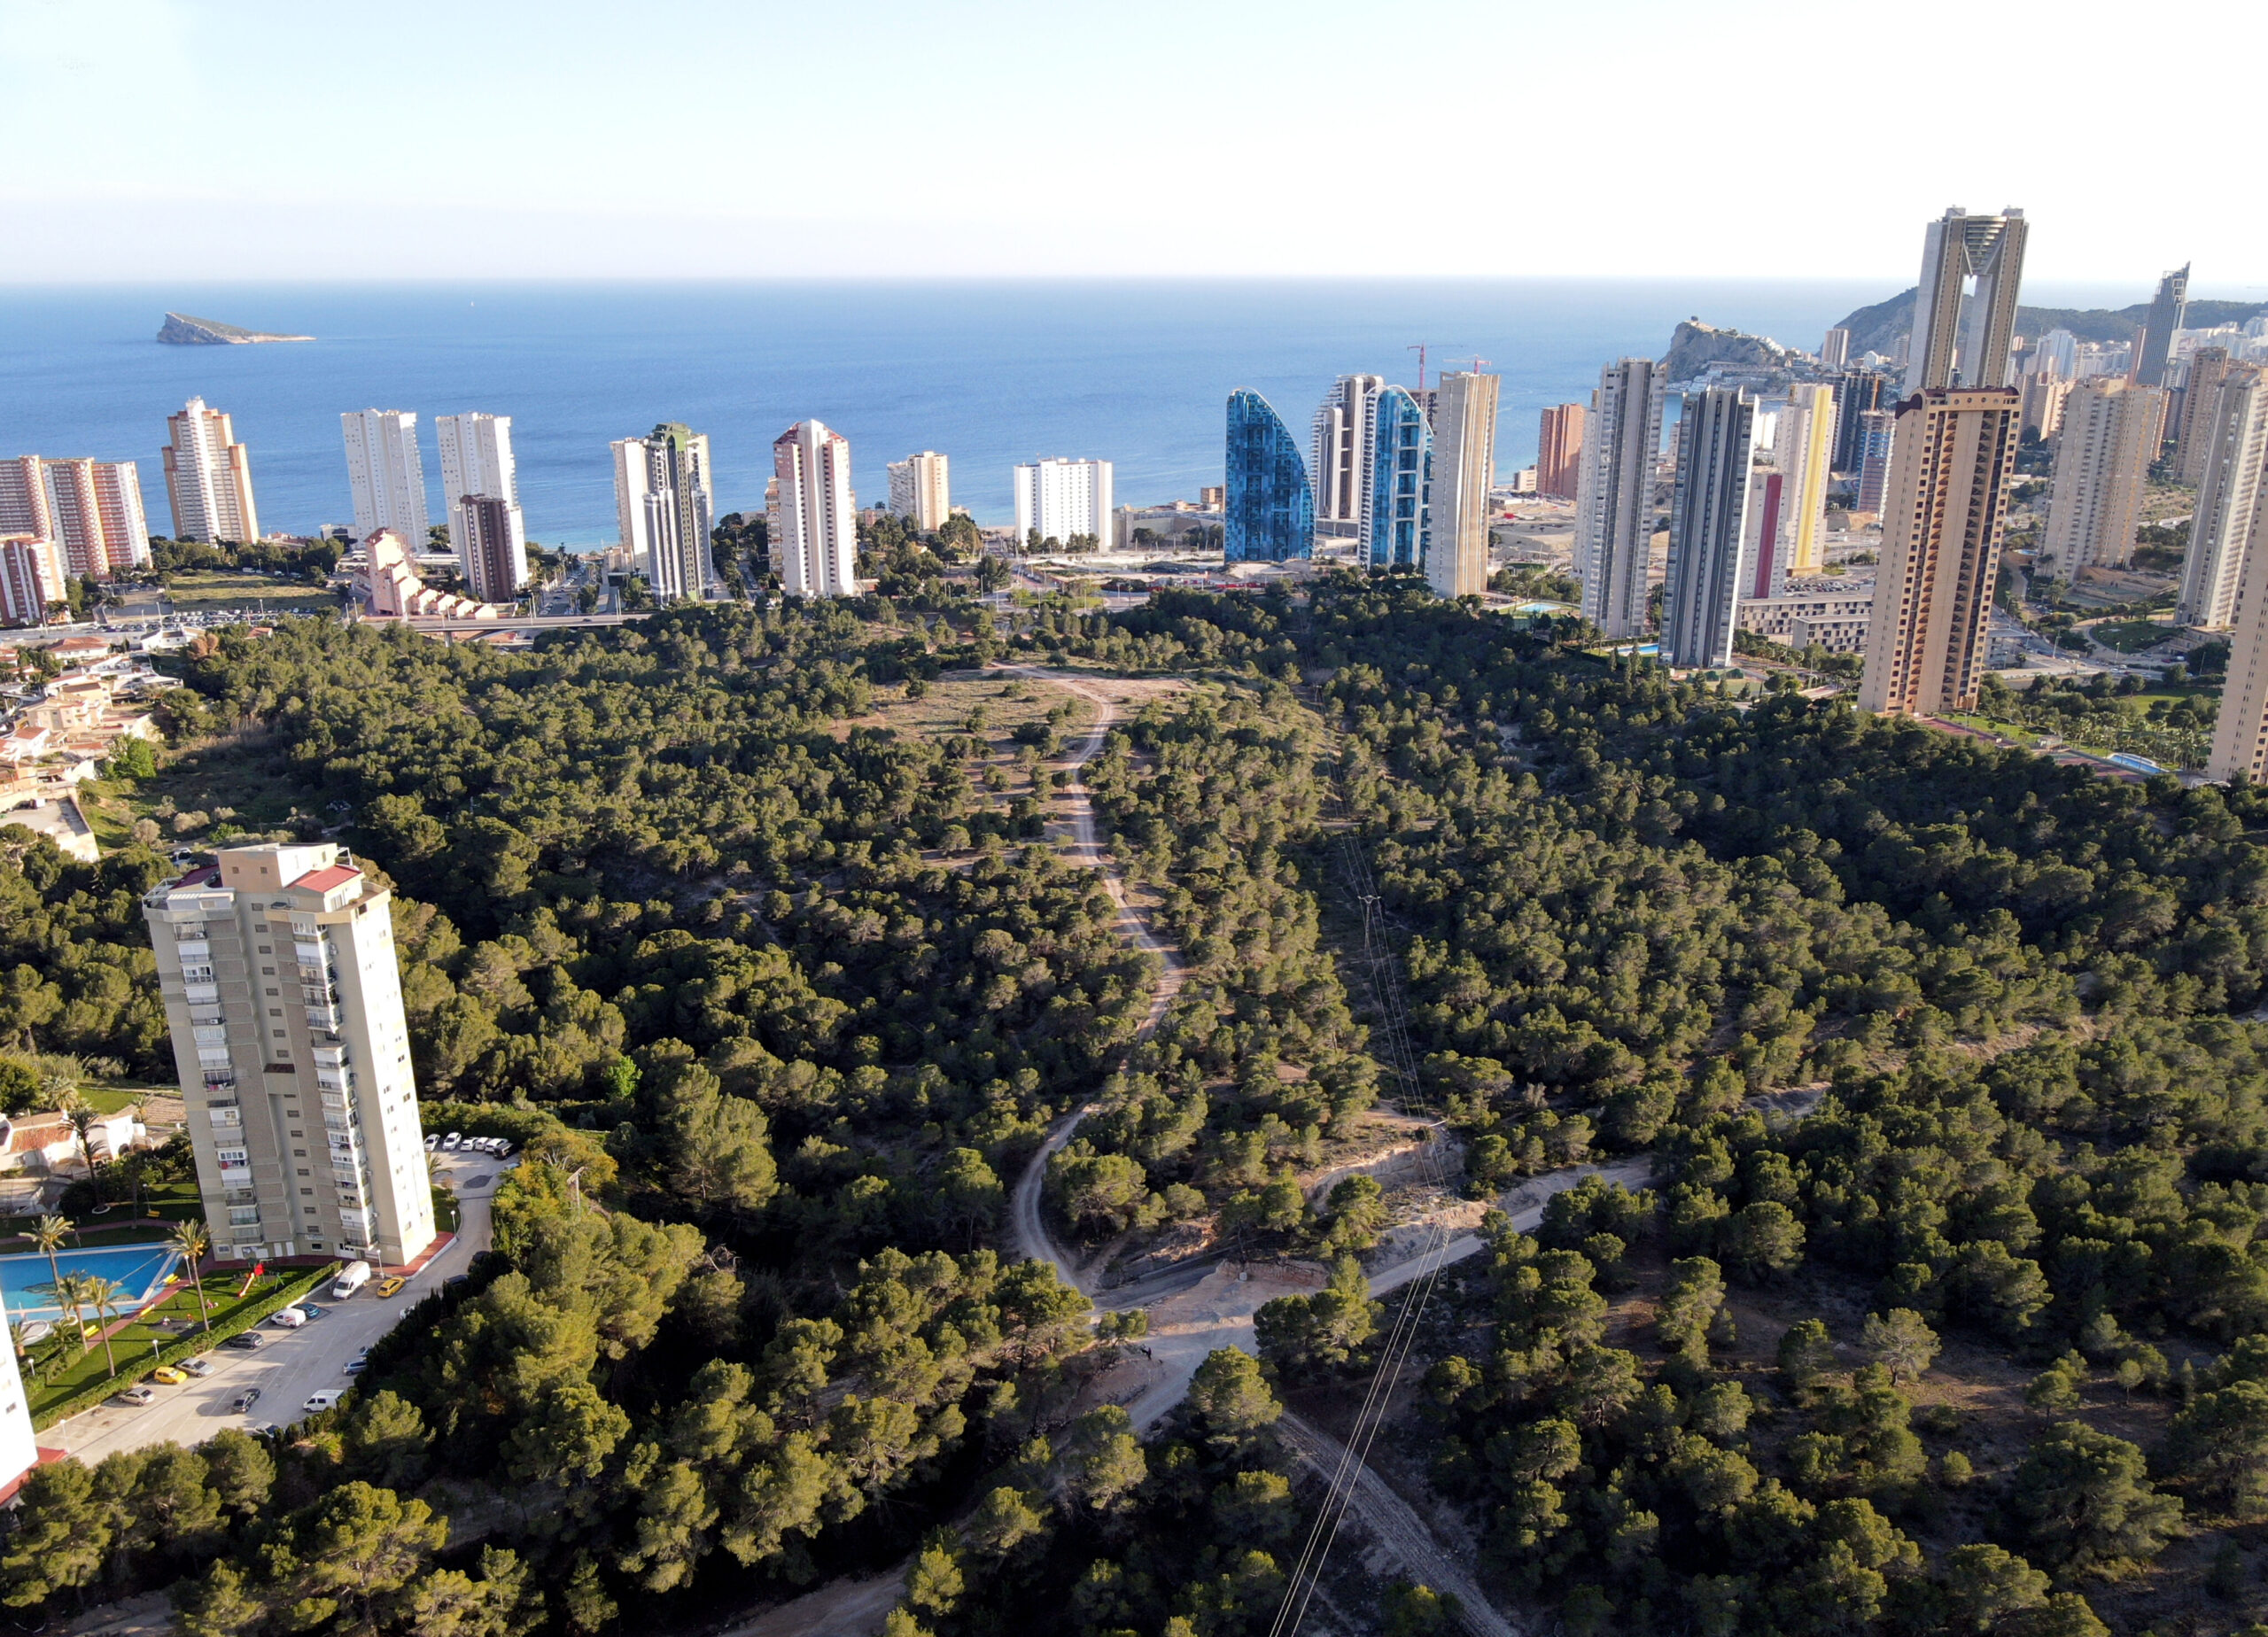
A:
(165, 1374)
(392, 1285)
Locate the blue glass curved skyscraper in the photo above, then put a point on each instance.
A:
(1401, 477)
(1270, 503)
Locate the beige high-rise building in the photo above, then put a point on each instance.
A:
(2241, 734)
(2201, 395)
(2102, 461)
(281, 985)
(1465, 469)
(2231, 500)
(1952, 460)
(817, 548)
(1559, 451)
(208, 477)
(2044, 397)
(921, 490)
(1804, 451)
(1967, 340)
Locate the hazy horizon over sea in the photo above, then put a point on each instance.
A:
(989, 373)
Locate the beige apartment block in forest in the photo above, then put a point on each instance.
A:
(1946, 506)
(2102, 464)
(284, 994)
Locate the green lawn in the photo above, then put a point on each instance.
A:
(208, 590)
(2132, 636)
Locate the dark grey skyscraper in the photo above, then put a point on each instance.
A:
(1614, 504)
(1951, 347)
(2156, 339)
(1708, 521)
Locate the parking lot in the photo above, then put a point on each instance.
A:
(289, 1364)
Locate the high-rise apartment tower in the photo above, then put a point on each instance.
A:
(1708, 526)
(2201, 392)
(92, 508)
(1804, 450)
(208, 477)
(816, 551)
(1615, 505)
(277, 968)
(1267, 507)
(1061, 499)
(1396, 520)
(31, 579)
(1465, 469)
(1835, 352)
(921, 490)
(478, 467)
(1952, 460)
(1947, 349)
(1345, 434)
(2155, 342)
(1559, 451)
(663, 503)
(386, 474)
(2232, 511)
(2103, 460)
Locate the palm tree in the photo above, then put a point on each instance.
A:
(190, 1242)
(49, 1233)
(70, 1292)
(107, 1296)
(83, 1121)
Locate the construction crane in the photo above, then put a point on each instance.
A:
(1419, 348)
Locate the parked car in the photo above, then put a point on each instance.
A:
(452, 1143)
(135, 1397)
(246, 1341)
(197, 1366)
(246, 1399)
(351, 1279)
(318, 1402)
(313, 1312)
(355, 1367)
(457, 1281)
(287, 1318)
(390, 1285)
(503, 1147)
(166, 1376)
(432, 1141)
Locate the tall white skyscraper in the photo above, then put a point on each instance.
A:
(2102, 462)
(1061, 498)
(665, 503)
(1346, 433)
(2231, 510)
(1964, 336)
(1465, 469)
(208, 477)
(2057, 355)
(277, 968)
(492, 545)
(1614, 500)
(816, 551)
(1708, 526)
(921, 490)
(386, 474)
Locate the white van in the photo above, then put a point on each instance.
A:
(317, 1403)
(287, 1318)
(351, 1279)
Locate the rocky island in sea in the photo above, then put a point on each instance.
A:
(180, 329)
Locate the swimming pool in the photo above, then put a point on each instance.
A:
(141, 1268)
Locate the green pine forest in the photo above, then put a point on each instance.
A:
(1933, 1296)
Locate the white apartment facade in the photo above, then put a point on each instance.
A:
(816, 550)
(386, 474)
(1345, 436)
(1058, 498)
(31, 577)
(665, 506)
(2232, 502)
(476, 464)
(921, 490)
(208, 477)
(283, 995)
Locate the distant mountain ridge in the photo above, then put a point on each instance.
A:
(180, 329)
(1876, 329)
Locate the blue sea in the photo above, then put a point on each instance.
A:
(989, 373)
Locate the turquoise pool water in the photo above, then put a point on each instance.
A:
(141, 1268)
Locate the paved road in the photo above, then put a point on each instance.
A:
(293, 1363)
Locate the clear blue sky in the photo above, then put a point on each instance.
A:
(169, 138)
